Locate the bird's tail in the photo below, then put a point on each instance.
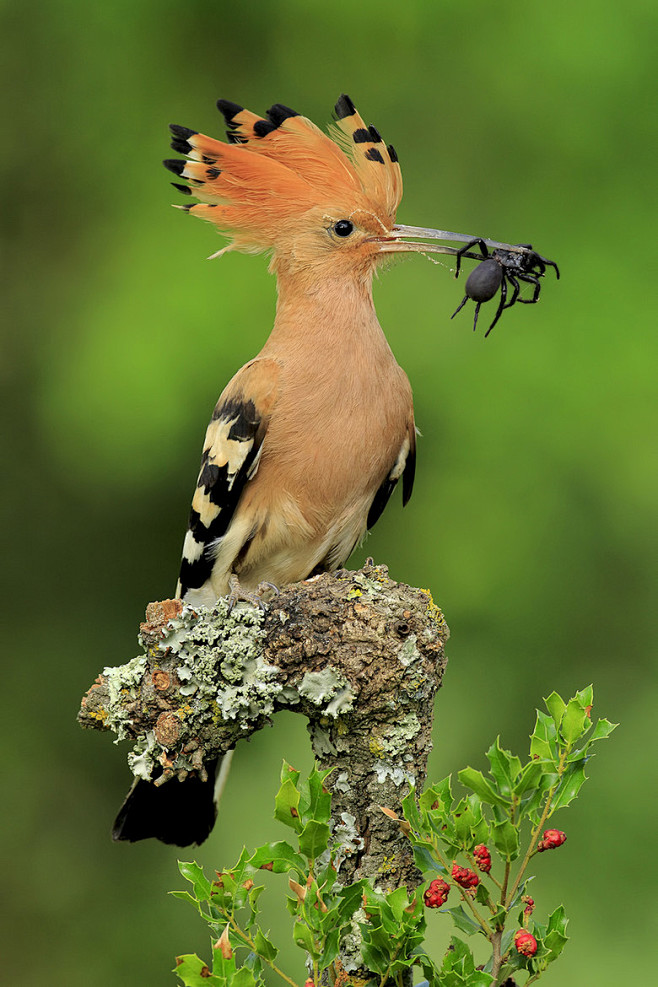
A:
(178, 812)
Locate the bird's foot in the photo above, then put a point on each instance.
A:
(254, 597)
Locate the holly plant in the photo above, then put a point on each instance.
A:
(474, 850)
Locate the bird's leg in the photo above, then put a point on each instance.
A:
(255, 598)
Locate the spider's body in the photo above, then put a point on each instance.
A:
(496, 271)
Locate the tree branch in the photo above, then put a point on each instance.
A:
(356, 653)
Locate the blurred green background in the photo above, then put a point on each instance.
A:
(533, 517)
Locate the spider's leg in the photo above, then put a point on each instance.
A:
(460, 306)
(503, 299)
(516, 288)
(477, 312)
(478, 242)
(549, 263)
(530, 279)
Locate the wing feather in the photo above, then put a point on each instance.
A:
(231, 453)
(404, 466)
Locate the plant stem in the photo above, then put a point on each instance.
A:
(246, 938)
(496, 958)
(497, 883)
(508, 863)
(503, 890)
(536, 831)
(385, 976)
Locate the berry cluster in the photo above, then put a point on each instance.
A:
(552, 838)
(464, 877)
(482, 858)
(525, 943)
(437, 893)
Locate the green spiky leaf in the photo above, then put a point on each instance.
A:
(286, 805)
(476, 781)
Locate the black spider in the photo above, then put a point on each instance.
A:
(497, 270)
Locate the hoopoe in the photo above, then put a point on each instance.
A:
(309, 439)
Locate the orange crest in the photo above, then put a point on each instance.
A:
(258, 187)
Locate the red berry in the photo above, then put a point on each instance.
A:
(529, 904)
(437, 893)
(482, 858)
(552, 838)
(525, 942)
(464, 877)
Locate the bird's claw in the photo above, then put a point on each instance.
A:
(255, 597)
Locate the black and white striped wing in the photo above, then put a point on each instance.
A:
(232, 450)
(405, 467)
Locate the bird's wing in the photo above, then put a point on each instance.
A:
(405, 467)
(231, 453)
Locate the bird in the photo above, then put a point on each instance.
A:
(309, 439)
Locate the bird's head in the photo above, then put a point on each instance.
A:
(321, 204)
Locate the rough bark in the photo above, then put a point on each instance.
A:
(358, 654)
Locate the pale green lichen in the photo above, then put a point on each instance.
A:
(396, 740)
(198, 636)
(350, 842)
(398, 775)
(289, 695)
(342, 784)
(321, 740)
(252, 696)
(351, 943)
(375, 583)
(409, 652)
(223, 676)
(122, 680)
(328, 686)
(341, 703)
(142, 758)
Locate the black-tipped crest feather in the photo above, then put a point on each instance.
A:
(182, 132)
(344, 107)
(175, 165)
(229, 110)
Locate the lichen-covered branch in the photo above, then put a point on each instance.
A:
(358, 654)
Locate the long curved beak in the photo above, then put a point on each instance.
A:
(402, 238)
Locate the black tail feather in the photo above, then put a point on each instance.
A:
(178, 812)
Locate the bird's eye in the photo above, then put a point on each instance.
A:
(343, 227)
